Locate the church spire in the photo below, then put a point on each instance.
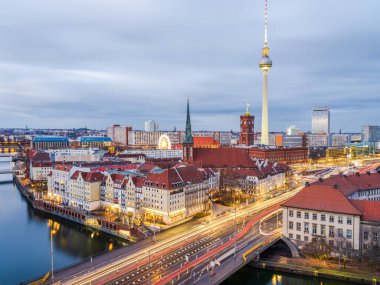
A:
(188, 136)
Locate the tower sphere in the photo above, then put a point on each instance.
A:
(265, 62)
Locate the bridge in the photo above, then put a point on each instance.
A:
(10, 171)
(188, 254)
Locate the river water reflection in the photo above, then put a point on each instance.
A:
(25, 238)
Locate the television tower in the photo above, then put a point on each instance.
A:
(265, 65)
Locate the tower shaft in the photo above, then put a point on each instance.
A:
(264, 114)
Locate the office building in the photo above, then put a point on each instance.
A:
(320, 121)
(151, 126)
(119, 134)
(370, 133)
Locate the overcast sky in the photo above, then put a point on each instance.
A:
(70, 63)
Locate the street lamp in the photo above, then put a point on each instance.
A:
(52, 232)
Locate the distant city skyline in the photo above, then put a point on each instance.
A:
(98, 63)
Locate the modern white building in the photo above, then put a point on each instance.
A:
(157, 153)
(292, 131)
(72, 154)
(151, 126)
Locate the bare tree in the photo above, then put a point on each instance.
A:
(318, 248)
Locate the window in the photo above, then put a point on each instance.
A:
(306, 227)
(298, 237)
(306, 215)
(315, 216)
(306, 238)
(298, 226)
(323, 230)
(340, 220)
(375, 236)
(290, 225)
(349, 234)
(340, 232)
(366, 235)
(298, 214)
(349, 221)
(331, 219)
(331, 231)
(315, 229)
(290, 213)
(348, 244)
(290, 235)
(323, 217)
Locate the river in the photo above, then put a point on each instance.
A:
(25, 242)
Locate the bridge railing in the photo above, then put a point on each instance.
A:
(266, 243)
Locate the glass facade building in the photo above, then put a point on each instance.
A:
(320, 122)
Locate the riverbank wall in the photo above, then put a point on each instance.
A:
(349, 277)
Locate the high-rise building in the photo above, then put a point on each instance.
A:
(370, 133)
(119, 134)
(246, 128)
(320, 121)
(151, 126)
(265, 65)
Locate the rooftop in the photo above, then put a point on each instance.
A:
(50, 139)
(94, 139)
(322, 198)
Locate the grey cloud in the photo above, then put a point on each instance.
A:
(70, 63)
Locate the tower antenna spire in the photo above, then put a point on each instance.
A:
(266, 24)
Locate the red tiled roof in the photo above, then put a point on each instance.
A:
(39, 156)
(42, 164)
(322, 198)
(223, 158)
(63, 167)
(348, 184)
(147, 167)
(204, 141)
(117, 178)
(138, 181)
(88, 176)
(370, 210)
(175, 178)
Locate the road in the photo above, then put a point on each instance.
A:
(199, 237)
